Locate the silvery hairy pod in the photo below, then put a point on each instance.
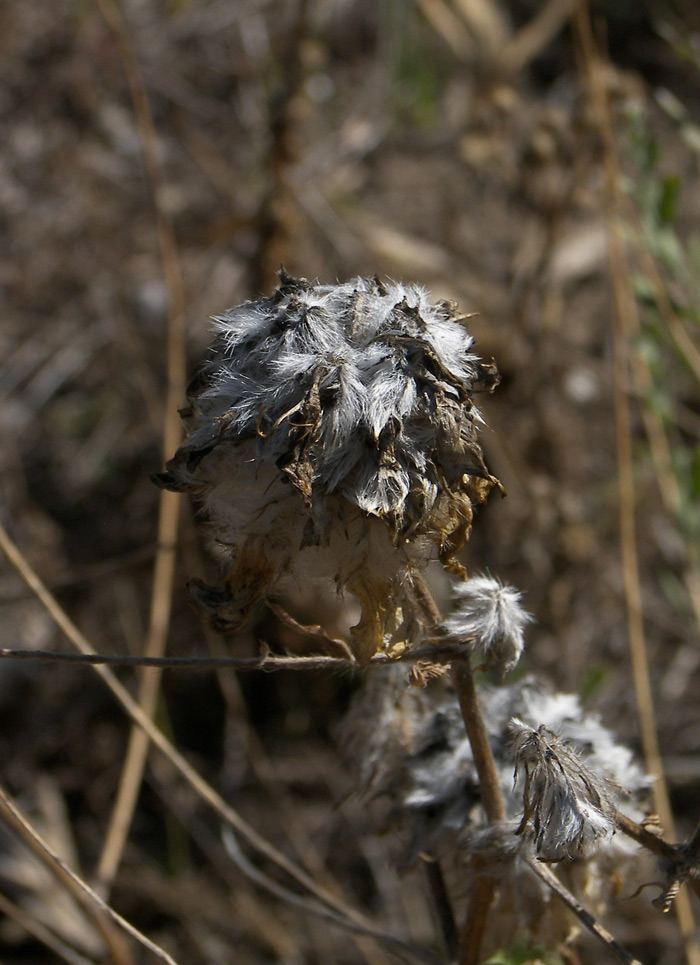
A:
(570, 807)
(333, 435)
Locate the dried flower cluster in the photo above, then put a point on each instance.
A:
(411, 748)
(333, 435)
(414, 756)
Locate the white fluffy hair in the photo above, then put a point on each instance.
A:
(490, 619)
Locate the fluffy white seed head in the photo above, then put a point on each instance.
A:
(489, 617)
(413, 750)
(333, 434)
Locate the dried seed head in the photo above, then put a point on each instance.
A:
(412, 750)
(333, 434)
(489, 617)
(570, 807)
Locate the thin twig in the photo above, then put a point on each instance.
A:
(440, 652)
(169, 505)
(100, 913)
(265, 662)
(545, 873)
(624, 320)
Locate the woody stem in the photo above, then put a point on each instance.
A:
(483, 888)
(491, 796)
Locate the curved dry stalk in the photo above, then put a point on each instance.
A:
(102, 916)
(201, 787)
(623, 321)
(169, 506)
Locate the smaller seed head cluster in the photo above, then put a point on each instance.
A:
(417, 770)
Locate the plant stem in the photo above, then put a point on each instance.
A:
(483, 889)
(443, 906)
(491, 795)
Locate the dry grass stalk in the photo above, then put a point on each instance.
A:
(169, 508)
(102, 916)
(624, 321)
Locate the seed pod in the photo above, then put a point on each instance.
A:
(569, 806)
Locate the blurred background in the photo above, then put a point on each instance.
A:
(454, 143)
